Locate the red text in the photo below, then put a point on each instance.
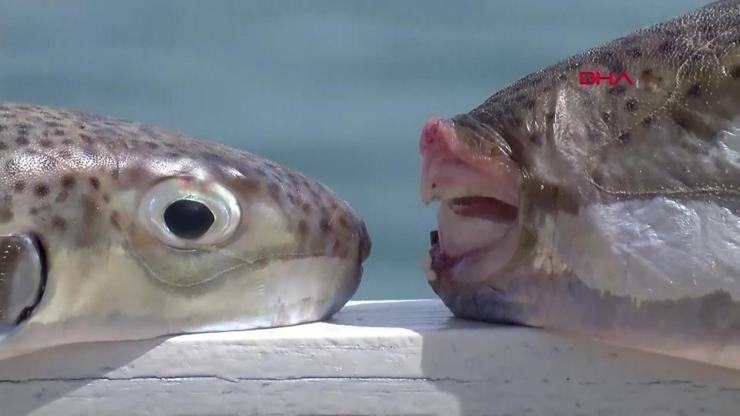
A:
(595, 78)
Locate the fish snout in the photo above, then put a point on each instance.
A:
(344, 233)
(365, 243)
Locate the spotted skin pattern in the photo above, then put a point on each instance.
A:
(629, 198)
(76, 181)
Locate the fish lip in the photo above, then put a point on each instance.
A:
(444, 145)
(450, 148)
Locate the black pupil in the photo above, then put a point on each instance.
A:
(188, 219)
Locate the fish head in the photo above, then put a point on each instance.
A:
(125, 231)
(477, 250)
(200, 222)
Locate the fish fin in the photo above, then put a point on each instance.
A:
(22, 278)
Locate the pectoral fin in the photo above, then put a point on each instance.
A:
(22, 278)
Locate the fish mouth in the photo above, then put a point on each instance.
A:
(477, 186)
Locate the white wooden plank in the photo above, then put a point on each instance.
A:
(393, 357)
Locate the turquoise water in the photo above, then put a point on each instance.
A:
(338, 90)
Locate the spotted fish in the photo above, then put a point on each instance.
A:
(115, 230)
(607, 205)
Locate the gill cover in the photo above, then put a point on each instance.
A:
(22, 278)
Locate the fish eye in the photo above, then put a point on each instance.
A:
(186, 213)
(188, 218)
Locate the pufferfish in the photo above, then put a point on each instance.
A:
(112, 230)
(600, 196)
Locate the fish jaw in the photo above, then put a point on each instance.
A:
(478, 216)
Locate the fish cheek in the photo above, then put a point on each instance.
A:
(179, 268)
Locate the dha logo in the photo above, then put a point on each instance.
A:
(595, 78)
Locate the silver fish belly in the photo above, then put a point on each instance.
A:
(601, 196)
(113, 230)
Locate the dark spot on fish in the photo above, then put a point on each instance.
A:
(630, 104)
(33, 211)
(324, 224)
(302, 229)
(306, 208)
(647, 72)
(606, 116)
(681, 120)
(694, 90)
(95, 183)
(68, 142)
(58, 222)
(617, 90)
(634, 53)
(667, 46)
(21, 140)
(68, 181)
(19, 187)
(3, 146)
(41, 190)
(91, 212)
(114, 220)
(87, 139)
(648, 120)
(58, 132)
(517, 121)
(339, 249)
(343, 222)
(106, 198)
(624, 138)
(735, 72)
(53, 124)
(62, 196)
(535, 139)
(708, 29)
(274, 190)
(529, 105)
(172, 154)
(45, 143)
(152, 145)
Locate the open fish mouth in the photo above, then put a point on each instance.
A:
(478, 216)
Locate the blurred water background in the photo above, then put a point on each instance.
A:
(336, 89)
